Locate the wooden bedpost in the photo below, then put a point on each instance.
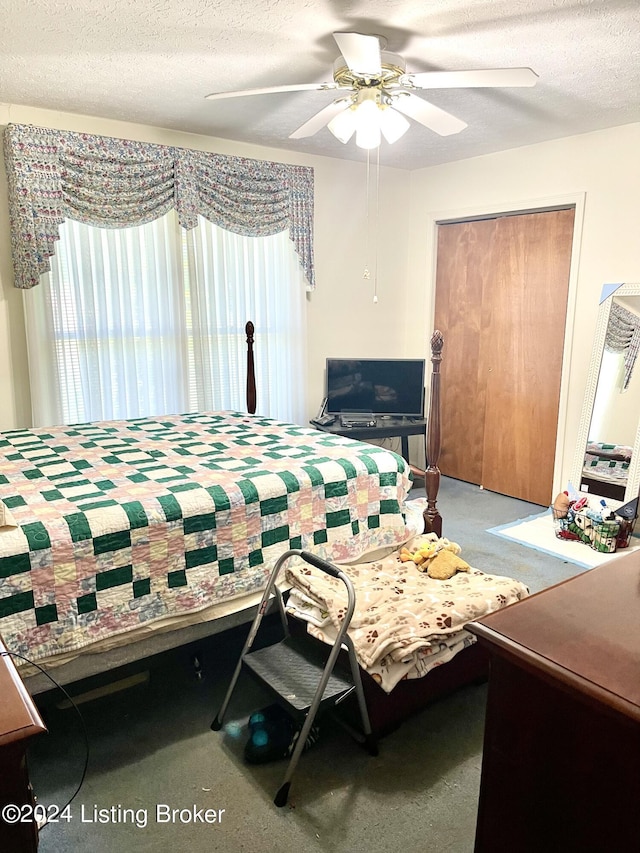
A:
(251, 372)
(432, 518)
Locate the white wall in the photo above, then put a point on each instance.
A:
(341, 317)
(602, 168)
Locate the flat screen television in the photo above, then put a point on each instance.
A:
(384, 386)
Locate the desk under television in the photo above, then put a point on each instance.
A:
(385, 427)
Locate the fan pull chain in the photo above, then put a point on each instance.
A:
(375, 253)
(366, 275)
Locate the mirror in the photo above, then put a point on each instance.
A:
(607, 458)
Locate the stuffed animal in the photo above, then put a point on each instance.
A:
(445, 564)
(561, 505)
(437, 557)
(425, 548)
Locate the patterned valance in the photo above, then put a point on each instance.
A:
(55, 175)
(623, 336)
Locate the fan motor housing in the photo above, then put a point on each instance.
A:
(393, 67)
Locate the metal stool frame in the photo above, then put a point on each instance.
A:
(342, 641)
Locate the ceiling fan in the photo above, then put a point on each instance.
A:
(375, 93)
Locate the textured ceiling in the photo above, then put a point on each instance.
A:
(153, 61)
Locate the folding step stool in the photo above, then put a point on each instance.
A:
(301, 680)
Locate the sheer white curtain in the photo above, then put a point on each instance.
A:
(232, 279)
(150, 320)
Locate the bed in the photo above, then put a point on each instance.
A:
(116, 532)
(606, 469)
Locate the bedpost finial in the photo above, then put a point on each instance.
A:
(437, 342)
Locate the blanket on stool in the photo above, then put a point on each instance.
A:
(404, 622)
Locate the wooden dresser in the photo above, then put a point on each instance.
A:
(561, 761)
(19, 722)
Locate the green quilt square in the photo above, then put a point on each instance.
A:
(78, 526)
(271, 506)
(314, 475)
(17, 564)
(141, 587)
(182, 487)
(336, 490)
(112, 542)
(47, 613)
(37, 536)
(13, 501)
(33, 474)
(220, 498)
(249, 491)
(369, 463)
(256, 557)
(198, 523)
(87, 603)
(105, 485)
(17, 603)
(278, 534)
(170, 506)
(339, 518)
(96, 505)
(349, 468)
(388, 478)
(226, 566)
(177, 579)
(200, 556)
(290, 481)
(114, 577)
(136, 514)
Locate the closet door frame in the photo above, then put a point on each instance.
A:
(539, 205)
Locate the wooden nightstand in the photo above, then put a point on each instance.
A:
(561, 761)
(19, 722)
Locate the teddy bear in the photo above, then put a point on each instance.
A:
(561, 505)
(437, 557)
(445, 564)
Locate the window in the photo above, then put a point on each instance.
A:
(149, 320)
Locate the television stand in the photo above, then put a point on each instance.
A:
(385, 427)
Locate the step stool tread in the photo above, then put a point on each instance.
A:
(293, 669)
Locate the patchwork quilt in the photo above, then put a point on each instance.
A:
(116, 524)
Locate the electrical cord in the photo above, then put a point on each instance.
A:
(85, 733)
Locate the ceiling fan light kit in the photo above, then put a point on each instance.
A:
(369, 118)
(376, 89)
(392, 124)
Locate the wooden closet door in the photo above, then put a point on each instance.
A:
(502, 310)
(464, 258)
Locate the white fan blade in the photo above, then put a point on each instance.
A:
(361, 53)
(484, 78)
(321, 119)
(295, 87)
(430, 116)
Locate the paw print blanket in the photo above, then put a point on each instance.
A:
(399, 611)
